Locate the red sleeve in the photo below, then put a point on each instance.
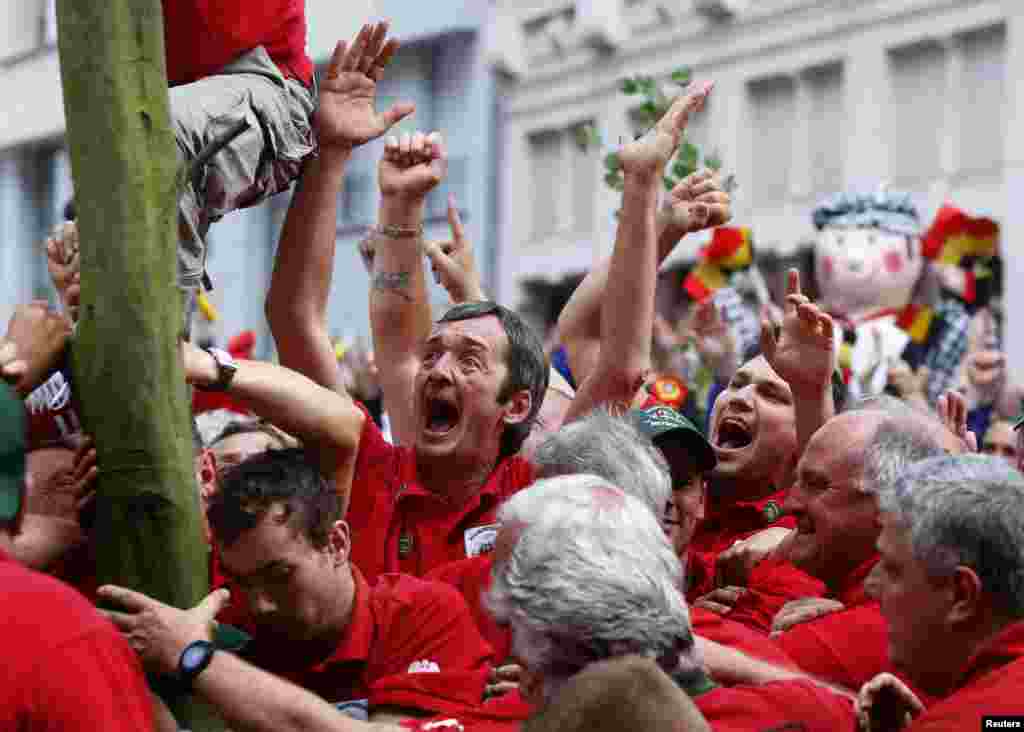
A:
(849, 647)
(376, 466)
(700, 574)
(472, 578)
(721, 630)
(246, 23)
(771, 585)
(779, 705)
(93, 682)
(432, 656)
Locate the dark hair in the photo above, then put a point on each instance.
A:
(526, 362)
(276, 477)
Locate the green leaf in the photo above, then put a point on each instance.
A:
(649, 111)
(648, 86)
(614, 181)
(713, 161)
(612, 162)
(629, 86)
(681, 169)
(690, 154)
(681, 76)
(669, 182)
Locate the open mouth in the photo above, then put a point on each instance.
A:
(441, 415)
(733, 434)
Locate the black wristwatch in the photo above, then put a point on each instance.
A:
(226, 368)
(194, 659)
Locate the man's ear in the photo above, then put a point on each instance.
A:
(517, 407)
(340, 542)
(966, 598)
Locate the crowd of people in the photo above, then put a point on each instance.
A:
(454, 535)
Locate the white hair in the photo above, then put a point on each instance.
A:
(591, 576)
(610, 447)
(965, 510)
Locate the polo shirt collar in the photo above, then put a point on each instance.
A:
(1006, 647)
(851, 592)
(769, 507)
(358, 637)
(489, 494)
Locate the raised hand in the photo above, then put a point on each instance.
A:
(952, 409)
(649, 155)
(697, 202)
(39, 337)
(64, 265)
(453, 263)
(803, 354)
(715, 341)
(412, 166)
(347, 116)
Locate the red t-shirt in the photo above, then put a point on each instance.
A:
(203, 36)
(848, 647)
(399, 526)
(65, 666)
(991, 684)
(714, 627)
(408, 643)
(504, 713)
(772, 583)
(779, 706)
(472, 578)
(728, 521)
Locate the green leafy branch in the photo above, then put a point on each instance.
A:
(653, 107)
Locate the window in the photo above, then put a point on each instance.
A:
(825, 138)
(982, 94)
(773, 115)
(916, 114)
(546, 174)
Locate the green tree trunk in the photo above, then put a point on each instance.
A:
(127, 370)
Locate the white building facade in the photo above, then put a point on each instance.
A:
(812, 97)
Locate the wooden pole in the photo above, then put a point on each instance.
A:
(126, 366)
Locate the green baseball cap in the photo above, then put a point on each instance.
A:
(1020, 422)
(661, 423)
(12, 453)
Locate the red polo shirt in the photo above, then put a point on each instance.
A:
(848, 647)
(203, 36)
(728, 521)
(504, 713)
(65, 667)
(399, 526)
(408, 643)
(990, 684)
(714, 627)
(472, 578)
(779, 706)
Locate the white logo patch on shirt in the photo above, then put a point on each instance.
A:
(480, 539)
(424, 667)
(452, 724)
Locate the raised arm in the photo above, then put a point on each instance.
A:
(399, 309)
(630, 280)
(296, 305)
(326, 421)
(804, 356)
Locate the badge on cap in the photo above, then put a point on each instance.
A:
(669, 390)
(772, 512)
(480, 539)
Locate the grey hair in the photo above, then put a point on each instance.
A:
(881, 403)
(591, 576)
(612, 448)
(897, 443)
(966, 510)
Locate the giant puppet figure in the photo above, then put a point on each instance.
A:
(891, 294)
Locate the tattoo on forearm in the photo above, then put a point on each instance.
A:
(396, 282)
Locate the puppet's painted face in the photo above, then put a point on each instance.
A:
(862, 269)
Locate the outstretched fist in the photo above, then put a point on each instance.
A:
(698, 201)
(412, 166)
(347, 116)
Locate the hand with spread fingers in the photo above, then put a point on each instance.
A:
(158, 633)
(886, 704)
(346, 116)
(453, 263)
(715, 341)
(502, 680)
(40, 337)
(910, 385)
(697, 202)
(648, 156)
(803, 610)
(412, 166)
(804, 352)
